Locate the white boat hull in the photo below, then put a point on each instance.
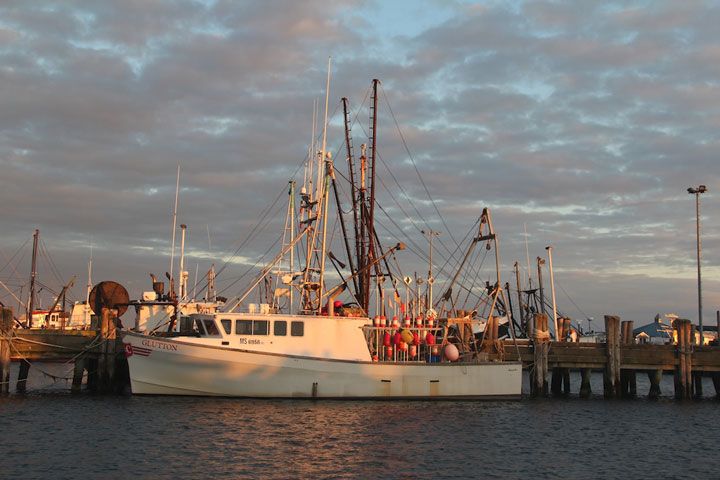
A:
(171, 366)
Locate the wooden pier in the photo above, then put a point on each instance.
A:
(98, 352)
(619, 359)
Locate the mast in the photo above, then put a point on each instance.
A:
(313, 284)
(354, 196)
(172, 248)
(183, 273)
(33, 273)
(370, 227)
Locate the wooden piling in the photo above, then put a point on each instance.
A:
(22, 376)
(6, 324)
(654, 376)
(585, 389)
(628, 381)
(106, 350)
(683, 370)
(541, 346)
(611, 378)
(78, 374)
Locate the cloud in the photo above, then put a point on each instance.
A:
(582, 123)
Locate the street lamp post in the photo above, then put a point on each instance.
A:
(697, 191)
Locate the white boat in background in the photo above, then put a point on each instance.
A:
(310, 344)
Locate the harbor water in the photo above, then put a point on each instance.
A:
(47, 433)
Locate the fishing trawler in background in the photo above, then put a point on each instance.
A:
(356, 339)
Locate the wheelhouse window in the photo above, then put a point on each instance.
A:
(280, 328)
(260, 327)
(226, 324)
(199, 327)
(297, 329)
(211, 327)
(243, 327)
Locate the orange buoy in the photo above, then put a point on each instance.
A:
(413, 351)
(451, 352)
(403, 347)
(389, 351)
(435, 350)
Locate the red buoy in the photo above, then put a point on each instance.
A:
(397, 338)
(430, 339)
(386, 339)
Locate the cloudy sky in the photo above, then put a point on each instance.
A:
(582, 123)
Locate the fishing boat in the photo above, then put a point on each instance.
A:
(313, 339)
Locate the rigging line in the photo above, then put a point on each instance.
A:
(260, 220)
(10, 260)
(250, 269)
(412, 204)
(454, 257)
(571, 301)
(44, 252)
(412, 160)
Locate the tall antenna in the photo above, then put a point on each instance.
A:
(172, 250)
(527, 254)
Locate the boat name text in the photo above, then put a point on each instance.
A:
(159, 345)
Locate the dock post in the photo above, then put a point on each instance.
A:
(697, 383)
(655, 376)
(78, 374)
(628, 380)
(612, 369)
(541, 346)
(22, 376)
(106, 354)
(6, 324)
(683, 370)
(585, 389)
